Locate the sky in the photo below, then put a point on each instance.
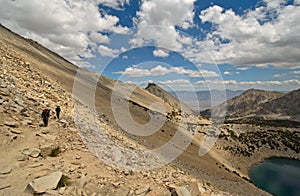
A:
(182, 44)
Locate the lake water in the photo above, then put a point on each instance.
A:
(278, 176)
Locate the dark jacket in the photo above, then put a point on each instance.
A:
(45, 113)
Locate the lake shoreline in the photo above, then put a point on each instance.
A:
(275, 170)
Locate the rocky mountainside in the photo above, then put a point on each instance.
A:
(66, 158)
(287, 106)
(246, 104)
(168, 98)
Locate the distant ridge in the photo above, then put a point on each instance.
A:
(246, 104)
(168, 98)
(203, 99)
(287, 106)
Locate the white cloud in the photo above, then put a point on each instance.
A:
(225, 82)
(254, 39)
(285, 85)
(117, 4)
(159, 70)
(296, 72)
(135, 71)
(184, 84)
(243, 68)
(99, 38)
(267, 83)
(167, 12)
(157, 19)
(231, 73)
(280, 75)
(160, 53)
(176, 82)
(203, 73)
(107, 52)
(70, 28)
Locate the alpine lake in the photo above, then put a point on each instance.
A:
(277, 176)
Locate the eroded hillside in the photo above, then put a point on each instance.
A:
(33, 152)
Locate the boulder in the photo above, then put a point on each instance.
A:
(12, 123)
(16, 131)
(43, 184)
(180, 191)
(22, 157)
(5, 170)
(32, 152)
(158, 192)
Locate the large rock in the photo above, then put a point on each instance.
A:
(180, 191)
(16, 131)
(11, 123)
(5, 170)
(158, 192)
(32, 152)
(43, 184)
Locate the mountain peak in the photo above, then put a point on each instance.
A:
(167, 97)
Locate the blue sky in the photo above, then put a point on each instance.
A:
(184, 44)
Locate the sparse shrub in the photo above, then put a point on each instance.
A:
(64, 181)
(55, 152)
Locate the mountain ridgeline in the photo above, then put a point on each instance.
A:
(259, 105)
(168, 98)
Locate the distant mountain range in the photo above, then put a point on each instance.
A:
(287, 106)
(201, 100)
(260, 104)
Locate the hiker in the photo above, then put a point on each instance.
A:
(57, 110)
(45, 116)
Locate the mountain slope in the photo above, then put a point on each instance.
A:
(168, 98)
(246, 104)
(34, 78)
(287, 106)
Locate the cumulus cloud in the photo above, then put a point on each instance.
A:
(99, 38)
(243, 68)
(280, 75)
(159, 70)
(70, 28)
(225, 82)
(160, 53)
(107, 52)
(259, 37)
(156, 22)
(296, 72)
(176, 82)
(286, 85)
(116, 4)
(231, 73)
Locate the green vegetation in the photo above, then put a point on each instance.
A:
(247, 143)
(64, 181)
(174, 115)
(55, 152)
